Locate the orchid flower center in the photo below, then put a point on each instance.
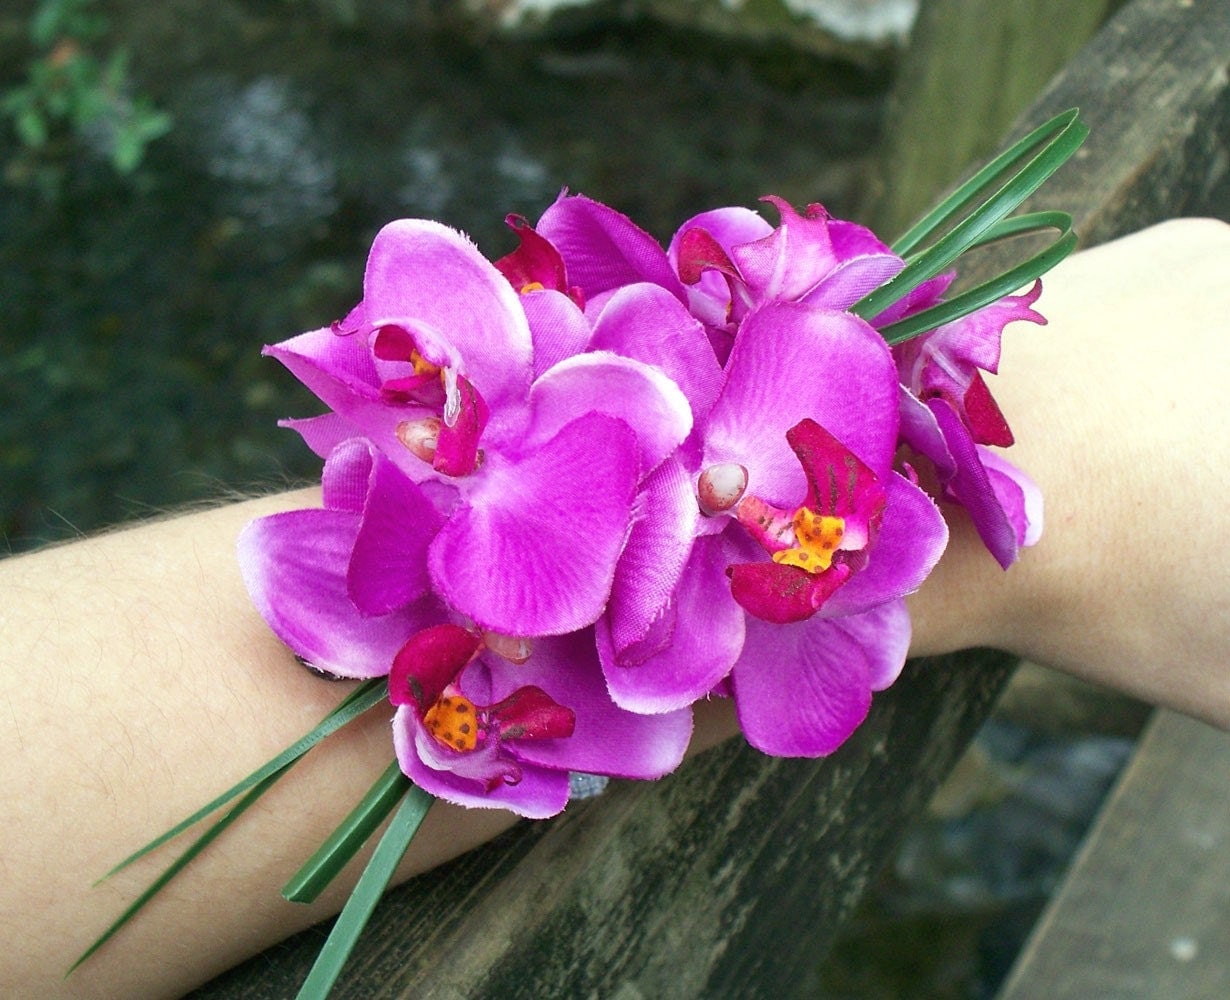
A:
(841, 514)
(720, 487)
(453, 721)
(421, 365)
(818, 536)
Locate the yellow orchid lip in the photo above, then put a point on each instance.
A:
(453, 721)
(818, 535)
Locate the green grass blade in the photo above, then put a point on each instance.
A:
(178, 865)
(981, 295)
(351, 834)
(994, 173)
(365, 696)
(974, 228)
(367, 893)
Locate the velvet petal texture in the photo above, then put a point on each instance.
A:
(801, 690)
(706, 636)
(790, 363)
(646, 322)
(607, 739)
(639, 395)
(533, 551)
(640, 615)
(388, 564)
(604, 249)
(535, 792)
(530, 775)
(294, 566)
(432, 281)
(912, 536)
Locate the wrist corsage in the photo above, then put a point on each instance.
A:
(570, 492)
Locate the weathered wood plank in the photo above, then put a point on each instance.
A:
(970, 69)
(1154, 85)
(1145, 910)
(650, 888)
(730, 878)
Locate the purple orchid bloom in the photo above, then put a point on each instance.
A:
(474, 729)
(534, 473)
(780, 525)
(344, 584)
(346, 588)
(949, 416)
(725, 262)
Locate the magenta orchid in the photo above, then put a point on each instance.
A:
(949, 416)
(784, 510)
(477, 730)
(691, 449)
(435, 368)
(346, 588)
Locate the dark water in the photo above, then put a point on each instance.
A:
(134, 309)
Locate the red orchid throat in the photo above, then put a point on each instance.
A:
(816, 547)
(446, 439)
(426, 675)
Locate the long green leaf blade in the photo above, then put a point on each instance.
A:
(985, 179)
(182, 861)
(351, 834)
(974, 227)
(371, 885)
(981, 295)
(365, 696)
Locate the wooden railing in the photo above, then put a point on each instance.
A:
(731, 877)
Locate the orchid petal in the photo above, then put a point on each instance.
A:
(322, 433)
(604, 249)
(702, 649)
(1018, 494)
(535, 262)
(910, 541)
(346, 477)
(801, 690)
(651, 564)
(607, 739)
(457, 442)
(784, 594)
(388, 565)
(294, 566)
(538, 792)
(534, 550)
(788, 263)
(649, 324)
(640, 395)
(352, 393)
(462, 312)
(559, 328)
(971, 487)
(792, 362)
(974, 340)
(428, 662)
(728, 227)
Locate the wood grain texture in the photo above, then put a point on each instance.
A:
(658, 889)
(971, 68)
(1145, 911)
(731, 878)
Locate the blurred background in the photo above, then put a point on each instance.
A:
(183, 182)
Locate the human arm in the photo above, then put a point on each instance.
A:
(1119, 411)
